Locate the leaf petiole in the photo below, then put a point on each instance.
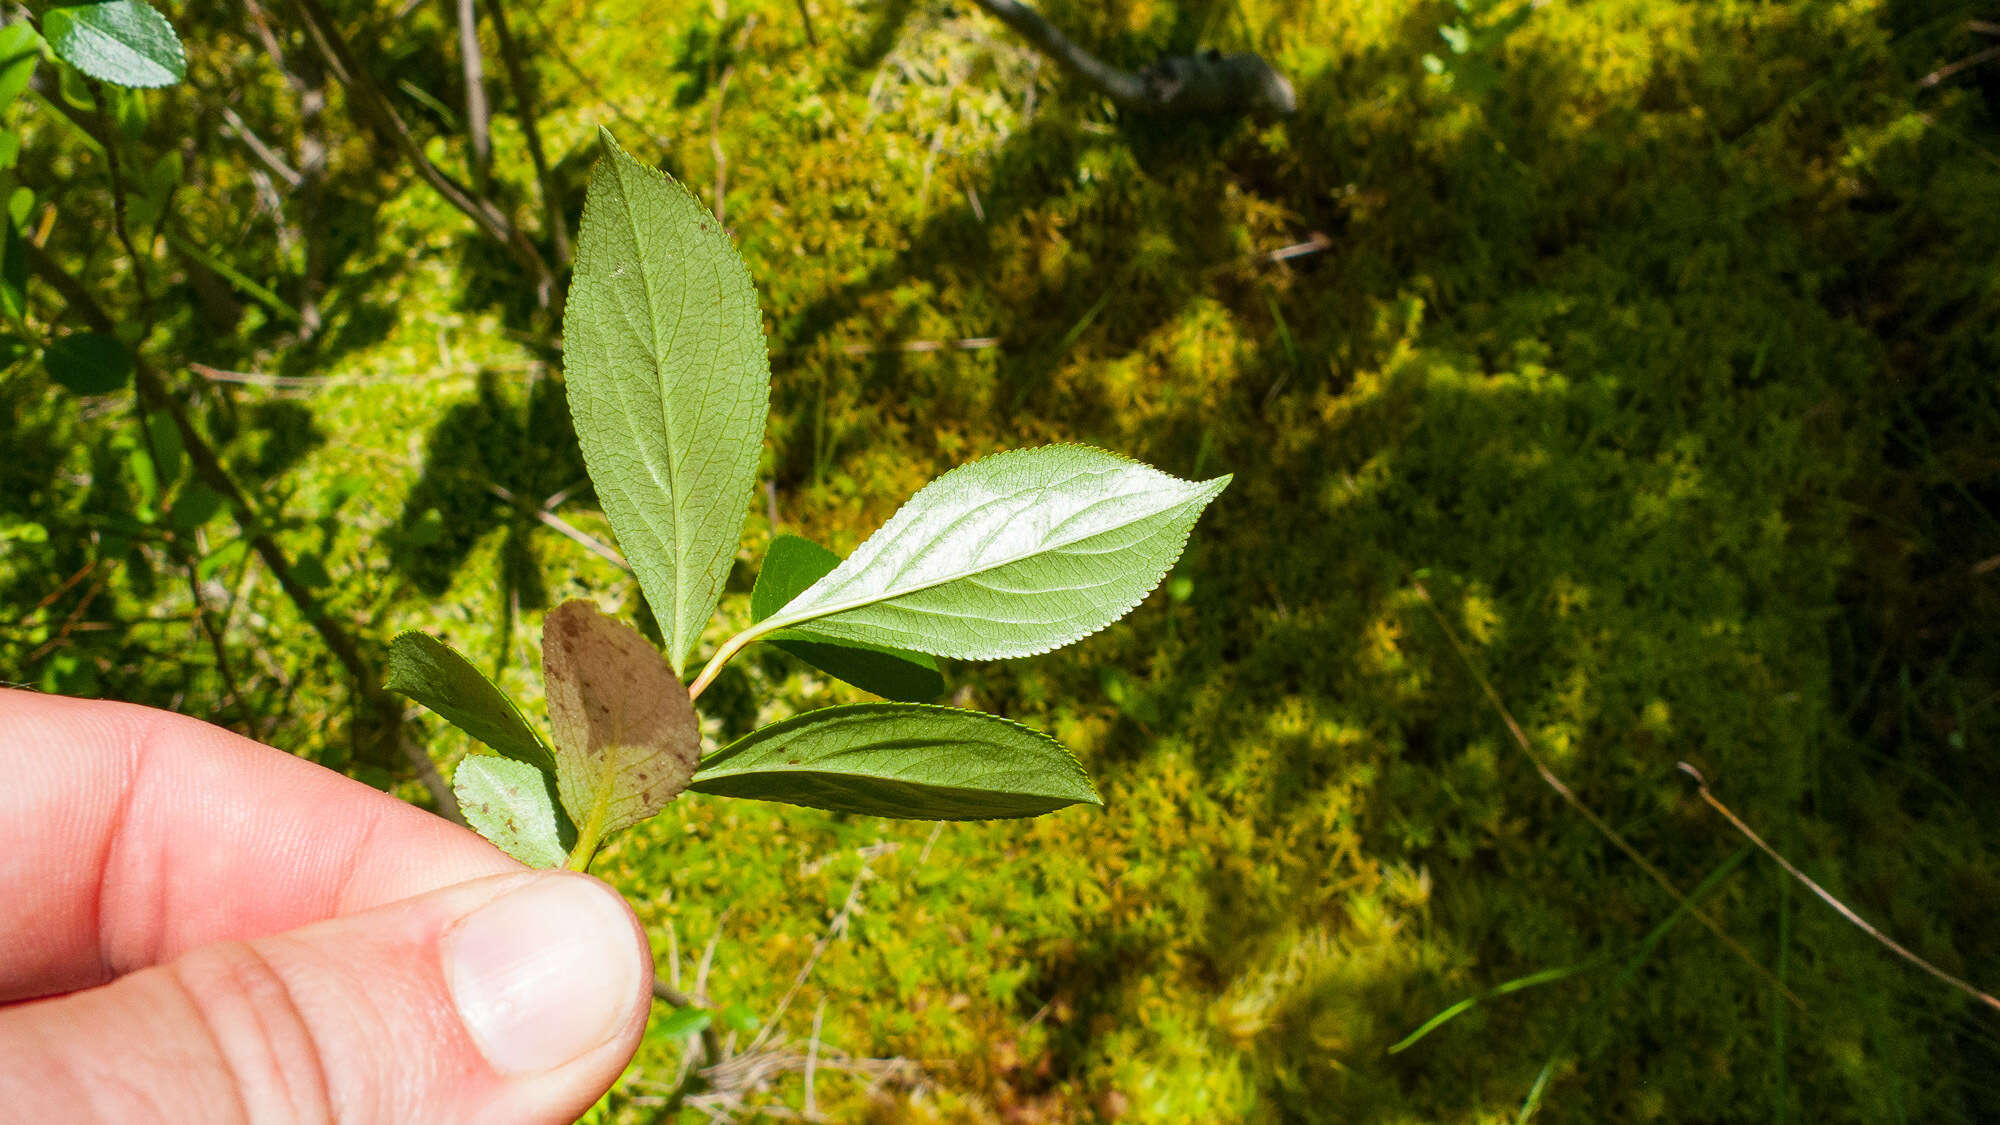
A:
(728, 651)
(590, 834)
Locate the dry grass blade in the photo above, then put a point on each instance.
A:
(1569, 796)
(1826, 896)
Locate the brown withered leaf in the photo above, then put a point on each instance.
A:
(626, 739)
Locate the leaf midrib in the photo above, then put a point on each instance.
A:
(658, 352)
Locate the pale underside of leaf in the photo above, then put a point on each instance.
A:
(625, 736)
(512, 804)
(669, 386)
(1009, 556)
(912, 761)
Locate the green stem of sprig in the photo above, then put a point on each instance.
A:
(590, 834)
(728, 651)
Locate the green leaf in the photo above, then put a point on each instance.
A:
(790, 566)
(435, 675)
(903, 760)
(88, 363)
(1014, 555)
(625, 735)
(740, 1018)
(20, 50)
(13, 269)
(123, 42)
(513, 804)
(683, 1023)
(223, 557)
(669, 385)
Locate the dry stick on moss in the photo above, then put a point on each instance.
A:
(367, 99)
(525, 103)
(1210, 82)
(154, 395)
(1562, 790)
(575, 534)
(1701, 786)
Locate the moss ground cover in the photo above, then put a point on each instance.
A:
(1664, 361)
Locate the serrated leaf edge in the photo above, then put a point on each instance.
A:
(1220, 483)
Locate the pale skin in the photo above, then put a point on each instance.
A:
(201, 928)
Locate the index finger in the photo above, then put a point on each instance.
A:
(130, 835)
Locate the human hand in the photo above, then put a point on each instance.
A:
(221, 932)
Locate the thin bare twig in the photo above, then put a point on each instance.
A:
(1841, 908)
(1967, 63)
(1569, 796)
(1179, 84)
(478, 114)
(526, 103)
(233, 122)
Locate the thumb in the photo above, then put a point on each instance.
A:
(514, 998)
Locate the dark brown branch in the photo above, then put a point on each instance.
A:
(374, 107)
(526, 102)
(154, 395)
(1210, 82)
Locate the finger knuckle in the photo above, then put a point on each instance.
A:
(259, 1032)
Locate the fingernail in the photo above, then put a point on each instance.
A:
(544, 974)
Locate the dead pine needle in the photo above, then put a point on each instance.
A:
(1603, 827)
(1889, 943)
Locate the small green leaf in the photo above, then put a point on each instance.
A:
(903, 760)
(669, 386)
(684, 1023)
(740, 1018)
(163, 440)
(1014, 555)
(513, 804)
(435, 675)
(20, 50)
(227, 555)
(13, 269)
(88, 363)
(625, 736)
(790, 566)
(123, 42)
(194, 507)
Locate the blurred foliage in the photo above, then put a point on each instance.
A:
(1663, 353)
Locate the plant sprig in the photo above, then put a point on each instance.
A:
(668, 384)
